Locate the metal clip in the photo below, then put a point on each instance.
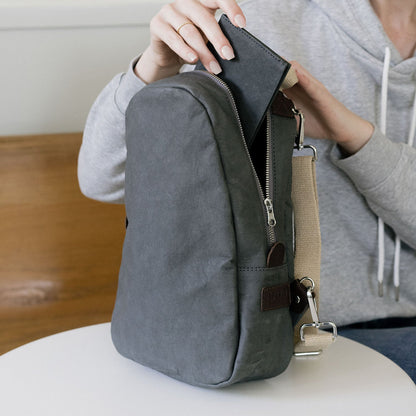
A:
(301, 132)
(315, 317)
(319, 325)
(312, 303)
(299, 141)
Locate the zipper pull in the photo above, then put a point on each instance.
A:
(271, 220)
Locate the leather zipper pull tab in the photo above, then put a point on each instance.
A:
(276, 256)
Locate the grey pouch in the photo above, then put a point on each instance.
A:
(198, 298)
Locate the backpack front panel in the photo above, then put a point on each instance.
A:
(194, 258)
(177, 303)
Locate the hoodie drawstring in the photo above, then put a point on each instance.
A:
(412, 131)
(410, 141)
(383, 119)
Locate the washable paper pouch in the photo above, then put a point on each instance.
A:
(254, 76)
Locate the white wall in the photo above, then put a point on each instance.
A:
(56, 56)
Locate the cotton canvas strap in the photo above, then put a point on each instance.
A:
(290, 80)
(307, 247)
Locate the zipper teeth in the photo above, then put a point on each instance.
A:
(268, 154)
(269, 229)
(269, 184)
(230, 95)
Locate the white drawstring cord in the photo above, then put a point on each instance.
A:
(383, 118)
(412, 131)
(380, 271)
(384, 87)
(396, 270)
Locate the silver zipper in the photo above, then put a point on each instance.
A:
(268, 202)
(268, 212)
(271, 220)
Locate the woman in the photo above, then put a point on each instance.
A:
(364, 54)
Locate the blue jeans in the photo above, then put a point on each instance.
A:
(394, 338)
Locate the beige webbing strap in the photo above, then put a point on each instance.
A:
(307, 247)
(290, 79)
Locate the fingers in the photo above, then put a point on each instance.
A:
(303, 75)
(193, 37)
(230, 8)
(204, 19)
(310, 86)
(186, 25)
(162, 29)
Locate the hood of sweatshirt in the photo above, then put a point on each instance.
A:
(362, 32)
(344, 45)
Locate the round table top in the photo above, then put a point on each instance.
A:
(80, 373)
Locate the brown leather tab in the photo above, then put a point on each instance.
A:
(276, 256)
(299, 298)
(282, 106)
(275, 297)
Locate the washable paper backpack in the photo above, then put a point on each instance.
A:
(207, 289)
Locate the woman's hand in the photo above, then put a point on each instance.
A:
(325, 116)
(179, 33)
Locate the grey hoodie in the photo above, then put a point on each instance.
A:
(343, 44)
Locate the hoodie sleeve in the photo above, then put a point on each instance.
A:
(385, 174)
(102, 156)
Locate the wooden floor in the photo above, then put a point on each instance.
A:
(59, 251)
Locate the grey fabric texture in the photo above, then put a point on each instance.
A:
(194, 256)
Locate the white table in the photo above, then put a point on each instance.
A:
(80, 373)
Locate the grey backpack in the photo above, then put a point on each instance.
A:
(204, 286)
